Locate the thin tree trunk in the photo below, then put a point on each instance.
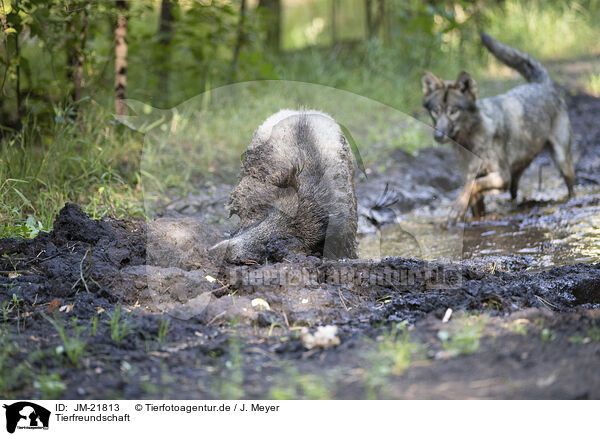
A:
(76, 53)
(271, 11)
(369, 18)
(334, 7)
(380, 17)
(19, 100)
(240, 40)
(374, 18)
(121, 58)
(7, 61)
(165, 35)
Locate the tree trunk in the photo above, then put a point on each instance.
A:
(165, 35)
(240, 40)
(369, 18)
(121, 57)
(271, 13)
(75, 52)
(334, 8)
(374, 18)
(19, 99)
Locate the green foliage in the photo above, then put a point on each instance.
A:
(40, 172)
(392, 355)
(548, 29)
(30, 228)
(74, 346)
(592, 84)
(50, 386)
(163, 329)
(593, 332)
(464, 337)
(547, 335)
(293, 385)
(94, 325)
(119, 327)
(12, 306)
(14, 371)
(230, 383)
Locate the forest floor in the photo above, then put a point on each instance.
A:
(133, 309)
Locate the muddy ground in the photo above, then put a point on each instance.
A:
(511, 312)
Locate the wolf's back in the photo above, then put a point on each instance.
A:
(527, 66)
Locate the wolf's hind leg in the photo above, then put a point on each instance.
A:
(561, 150)
(477, 205)
(561, 155)
(514, 184)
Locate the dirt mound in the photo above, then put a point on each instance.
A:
(107, 261)
(79, 256)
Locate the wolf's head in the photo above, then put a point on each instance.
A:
(451, 104)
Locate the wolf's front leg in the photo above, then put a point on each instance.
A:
(461, 204)
(474, 190)
(477, 205)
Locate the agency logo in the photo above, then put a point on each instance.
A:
(26, 415)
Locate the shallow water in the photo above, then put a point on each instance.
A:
(540, 233)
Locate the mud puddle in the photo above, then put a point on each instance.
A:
(538, 234)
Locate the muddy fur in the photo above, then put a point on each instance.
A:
(295, 192)
(506, 131)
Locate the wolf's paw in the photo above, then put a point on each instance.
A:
(456, 214)
(451, 220)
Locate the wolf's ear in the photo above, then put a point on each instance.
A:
(466, 84)
(430, 83)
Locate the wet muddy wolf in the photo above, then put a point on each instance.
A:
(295, 193)
(506, 131)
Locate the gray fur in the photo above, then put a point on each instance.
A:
(528, 67)
(506, 131)
(295, 192)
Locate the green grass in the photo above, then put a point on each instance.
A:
(95, 166)
(119, 326)
(73, 346)
(163, 329)
(50, 386)
(230, 382)
(13, 307)
(14, 372)
(549, 30)
(592, 84)
(294, 385)
(464, 336)
(89, 161)
(547, 335)
(391, 355)
(593, 332)
(306, 23)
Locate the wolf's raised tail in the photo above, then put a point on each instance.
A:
(527, 66)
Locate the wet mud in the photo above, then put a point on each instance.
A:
(513, 311)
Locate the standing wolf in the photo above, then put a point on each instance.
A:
(506, 131)
(295, 192)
